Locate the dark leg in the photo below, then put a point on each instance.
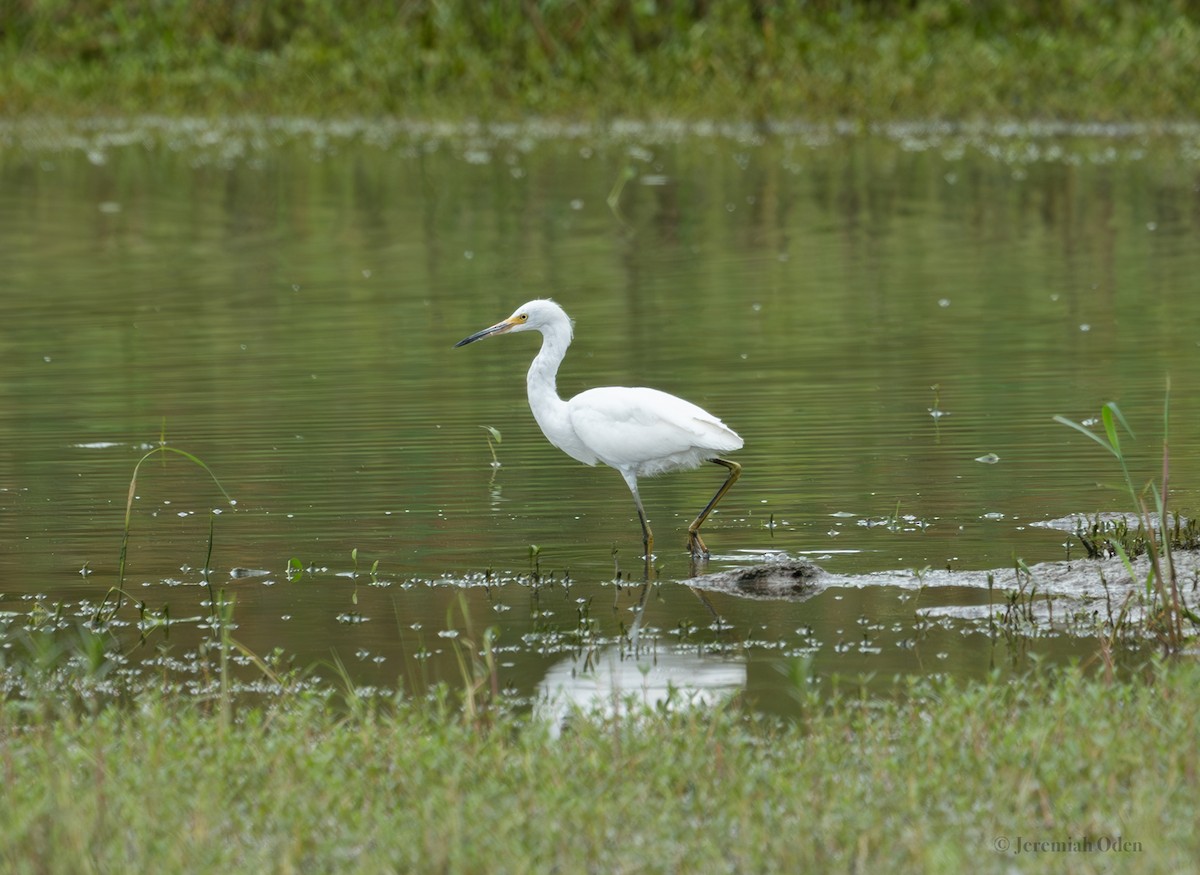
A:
(647, 535)
(695, 542)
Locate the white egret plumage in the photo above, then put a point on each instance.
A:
(640, 432)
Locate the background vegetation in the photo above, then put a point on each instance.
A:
(745, 58)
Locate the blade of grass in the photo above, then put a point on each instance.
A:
(1084, 430)
(129, 508)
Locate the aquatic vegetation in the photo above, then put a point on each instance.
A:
(1112, 534)
(937, 412)
(1154, 532)
(118, 591)
(480, 678)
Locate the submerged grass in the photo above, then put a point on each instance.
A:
(1084, 59)
(945, 777)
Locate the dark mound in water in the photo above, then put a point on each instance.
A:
(794, 579)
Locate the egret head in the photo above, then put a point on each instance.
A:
(537, 315)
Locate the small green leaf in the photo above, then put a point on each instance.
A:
(1110, 428)
(1112, 405)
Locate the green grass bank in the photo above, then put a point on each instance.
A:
(743, 59)
(1059, 772)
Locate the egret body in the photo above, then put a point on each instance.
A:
(640, 432)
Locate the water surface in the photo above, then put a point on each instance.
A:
(874, 311)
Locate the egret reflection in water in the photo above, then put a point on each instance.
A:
(608, 681)
(619, 679)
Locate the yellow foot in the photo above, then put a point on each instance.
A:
(696, 546)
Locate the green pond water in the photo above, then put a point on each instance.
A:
(890, 318)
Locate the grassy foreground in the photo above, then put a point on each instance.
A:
(747, 59)
(951, 777)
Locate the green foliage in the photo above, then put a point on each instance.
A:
(170, 786)
(1103, 538)
(1154, 535)
(789, 58)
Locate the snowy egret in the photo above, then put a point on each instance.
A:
(640, 432)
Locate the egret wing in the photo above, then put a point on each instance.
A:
(647, 430)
